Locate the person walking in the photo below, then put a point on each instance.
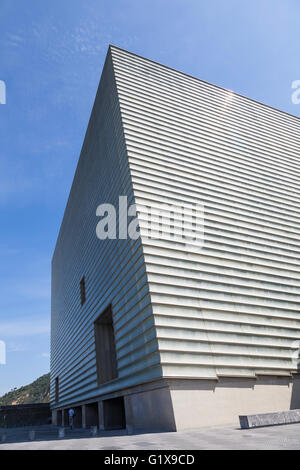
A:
(71, 417)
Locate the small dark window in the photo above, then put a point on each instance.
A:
(56, 390)
(106, 357)
(82, 291)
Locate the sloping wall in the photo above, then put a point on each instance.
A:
(114, 269)
(233, 308)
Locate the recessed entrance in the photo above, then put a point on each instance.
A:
(106, 357)
(77, 417)
(91, 414)
(59, 418)
(114, 413)
(66, 417)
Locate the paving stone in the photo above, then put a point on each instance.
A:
(212, 438)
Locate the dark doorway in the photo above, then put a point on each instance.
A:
(56, 390)
(91, 414)
(106, 357)
(77, 417)
(66, 417)
(114, 413)
(59, 418)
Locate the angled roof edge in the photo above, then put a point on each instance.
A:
(112, 46)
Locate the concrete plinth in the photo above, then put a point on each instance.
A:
(270, 419)
(176, 404)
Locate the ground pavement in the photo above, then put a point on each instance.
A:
(211, 438)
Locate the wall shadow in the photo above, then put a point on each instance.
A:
(295, 397)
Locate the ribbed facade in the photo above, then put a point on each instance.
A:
(232, 309)
(114, 270)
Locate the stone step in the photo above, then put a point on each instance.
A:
(269, 419)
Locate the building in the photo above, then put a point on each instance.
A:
(146, 333)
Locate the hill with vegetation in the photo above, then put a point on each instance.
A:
(36, 392)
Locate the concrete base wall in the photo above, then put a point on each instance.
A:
(206, 403)
(25, 415)
(151, 409)
(175, 404)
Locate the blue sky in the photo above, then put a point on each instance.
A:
(51, 56)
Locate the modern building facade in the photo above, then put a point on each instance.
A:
(147, 333)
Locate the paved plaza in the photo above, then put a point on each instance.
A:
(210, 438)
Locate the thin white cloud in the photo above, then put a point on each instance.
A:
(14, 40)
(15, 37)
(15, 347)
(35, 289)
(32, 288)
(6, 251)
(27, 327)
(89, 37)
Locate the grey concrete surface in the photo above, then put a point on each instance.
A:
(211, 438)
(267, 419)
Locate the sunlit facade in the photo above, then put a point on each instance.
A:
(147, 333)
